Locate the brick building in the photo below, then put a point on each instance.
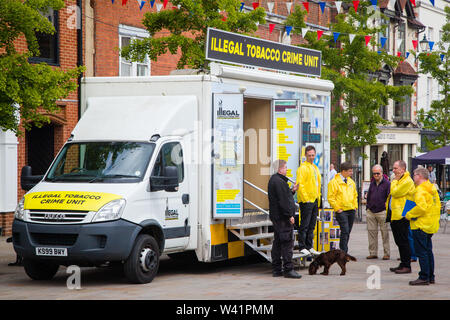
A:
(39, 146)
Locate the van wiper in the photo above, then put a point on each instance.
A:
(65, 176)
(112, 176)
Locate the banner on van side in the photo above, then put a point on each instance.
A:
(68, 200)
(228, 156)
(234, 48)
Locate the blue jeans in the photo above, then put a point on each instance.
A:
(424, 251)
(411, 245)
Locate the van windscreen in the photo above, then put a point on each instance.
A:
(108, 162)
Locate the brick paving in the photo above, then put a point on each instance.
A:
(238, 280)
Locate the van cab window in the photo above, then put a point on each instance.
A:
(171, 154)
(109, 162)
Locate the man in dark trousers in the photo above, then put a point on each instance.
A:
(281, 213)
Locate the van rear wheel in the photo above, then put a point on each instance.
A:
(40, 270)
(143, 263)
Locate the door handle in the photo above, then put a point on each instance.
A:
(185, 198)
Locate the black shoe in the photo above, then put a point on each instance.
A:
(394, 269)
(419, 282)
(292, 274)
(277, 274)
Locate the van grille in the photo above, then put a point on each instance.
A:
(54, 239)
(58, 216)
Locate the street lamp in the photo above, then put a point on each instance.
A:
(424, 43)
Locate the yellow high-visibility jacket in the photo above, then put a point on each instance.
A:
(309, 183)
(401, 190)
(427, 209)
(341, 195)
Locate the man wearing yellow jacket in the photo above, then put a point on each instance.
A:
(343, 198)
(424, 223)
(308, 196)
(402, 189)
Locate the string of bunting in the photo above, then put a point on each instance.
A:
(322, 4)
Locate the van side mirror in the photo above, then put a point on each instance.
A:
(168, 182)
(27, 180)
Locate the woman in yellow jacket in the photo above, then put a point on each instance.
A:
(424, 223)
(402, 189)
(343, 198)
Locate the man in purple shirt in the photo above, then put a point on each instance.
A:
(376, 212)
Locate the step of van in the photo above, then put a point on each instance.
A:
(264, 223)
(257, 236)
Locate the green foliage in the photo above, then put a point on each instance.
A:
(187, 29)
(438, 117)
(352, 67)
(27, 88)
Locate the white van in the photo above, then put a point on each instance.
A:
(166, 164)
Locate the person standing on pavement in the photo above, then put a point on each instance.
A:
(343, 198)
(431, 174)
(308, 197)
(424, 219)
(281, 213)
(333, 172)
(376, 212)
(402, 188)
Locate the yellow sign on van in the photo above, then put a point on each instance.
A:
(68, 200)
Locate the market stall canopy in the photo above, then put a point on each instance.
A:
(437, 156)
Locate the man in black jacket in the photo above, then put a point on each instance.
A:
(281, 213)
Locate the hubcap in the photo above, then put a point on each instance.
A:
(147, 259)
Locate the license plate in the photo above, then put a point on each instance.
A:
(51, 252)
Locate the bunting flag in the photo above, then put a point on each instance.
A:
(165, 3)
(306, 5)
(288, 30)
(271, 27)
(112, 1)
(355, 5)
(255, 5)
(336, 36)
(158, 7)
(383, 41)
(431, 44)
(141, 4)
(304, 31)
(319, 34)
(374, 4)
(269, 6)
(446, 45)
(351, 37)
(414, 42)
(432, 2)
(322, 6)
(288, 7)
(338, 6)
(152, 3)
(242, 6)
(399, 54)
(379, 52)
(442, 57)
(124, 2)
(407, 54)
(224, 16)
(413, 2)
(367, 38)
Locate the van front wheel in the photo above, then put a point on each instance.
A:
(40, 270)
(143, 263)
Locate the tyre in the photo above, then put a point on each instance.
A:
(143, 263)
(40, 270)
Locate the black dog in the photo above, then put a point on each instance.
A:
(326, 259)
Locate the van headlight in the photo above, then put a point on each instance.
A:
(21, 213)
(110, 211)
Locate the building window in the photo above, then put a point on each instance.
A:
(394, 154)
(402, 110)
(429, 91)
(129, 68)
(384, 32)
(430, 34)
(48, 43)
(401, 38)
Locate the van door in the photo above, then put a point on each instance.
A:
(172, 206)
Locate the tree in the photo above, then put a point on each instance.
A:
(438, 117)
(352, 67)
(28, 90)
(188, 27)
